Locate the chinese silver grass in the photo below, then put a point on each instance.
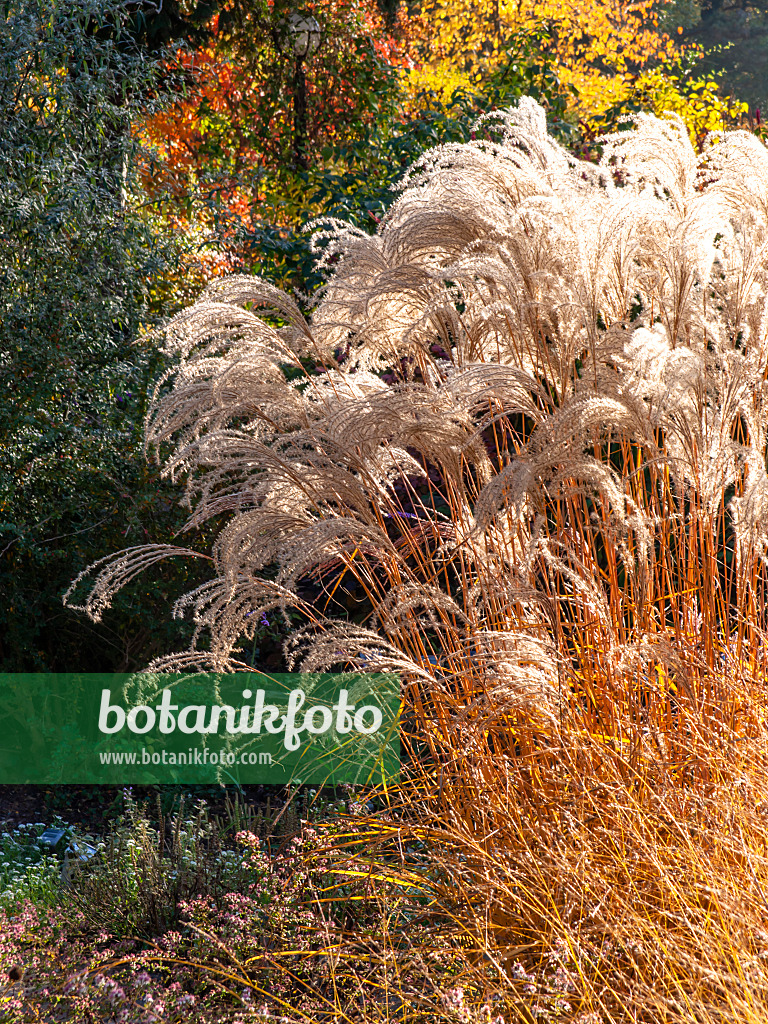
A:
(572, 435)
(537, 447)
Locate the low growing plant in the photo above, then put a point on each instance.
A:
(30, 869)
(147, 868)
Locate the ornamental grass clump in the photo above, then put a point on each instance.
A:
(524, 427)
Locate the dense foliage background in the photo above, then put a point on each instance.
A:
(149, 147)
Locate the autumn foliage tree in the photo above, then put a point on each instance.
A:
(612, 58)
(594, 43)
(229, 139)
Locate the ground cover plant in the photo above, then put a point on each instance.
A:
(524, 427)
(227, 930)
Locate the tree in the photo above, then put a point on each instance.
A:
(734, 35)
(593, 44)
(233, 135)
(226, 150)
(611, 58)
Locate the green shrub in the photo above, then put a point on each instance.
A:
(82, 266)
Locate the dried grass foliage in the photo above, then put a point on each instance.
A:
(655, 890)
(557, 507)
